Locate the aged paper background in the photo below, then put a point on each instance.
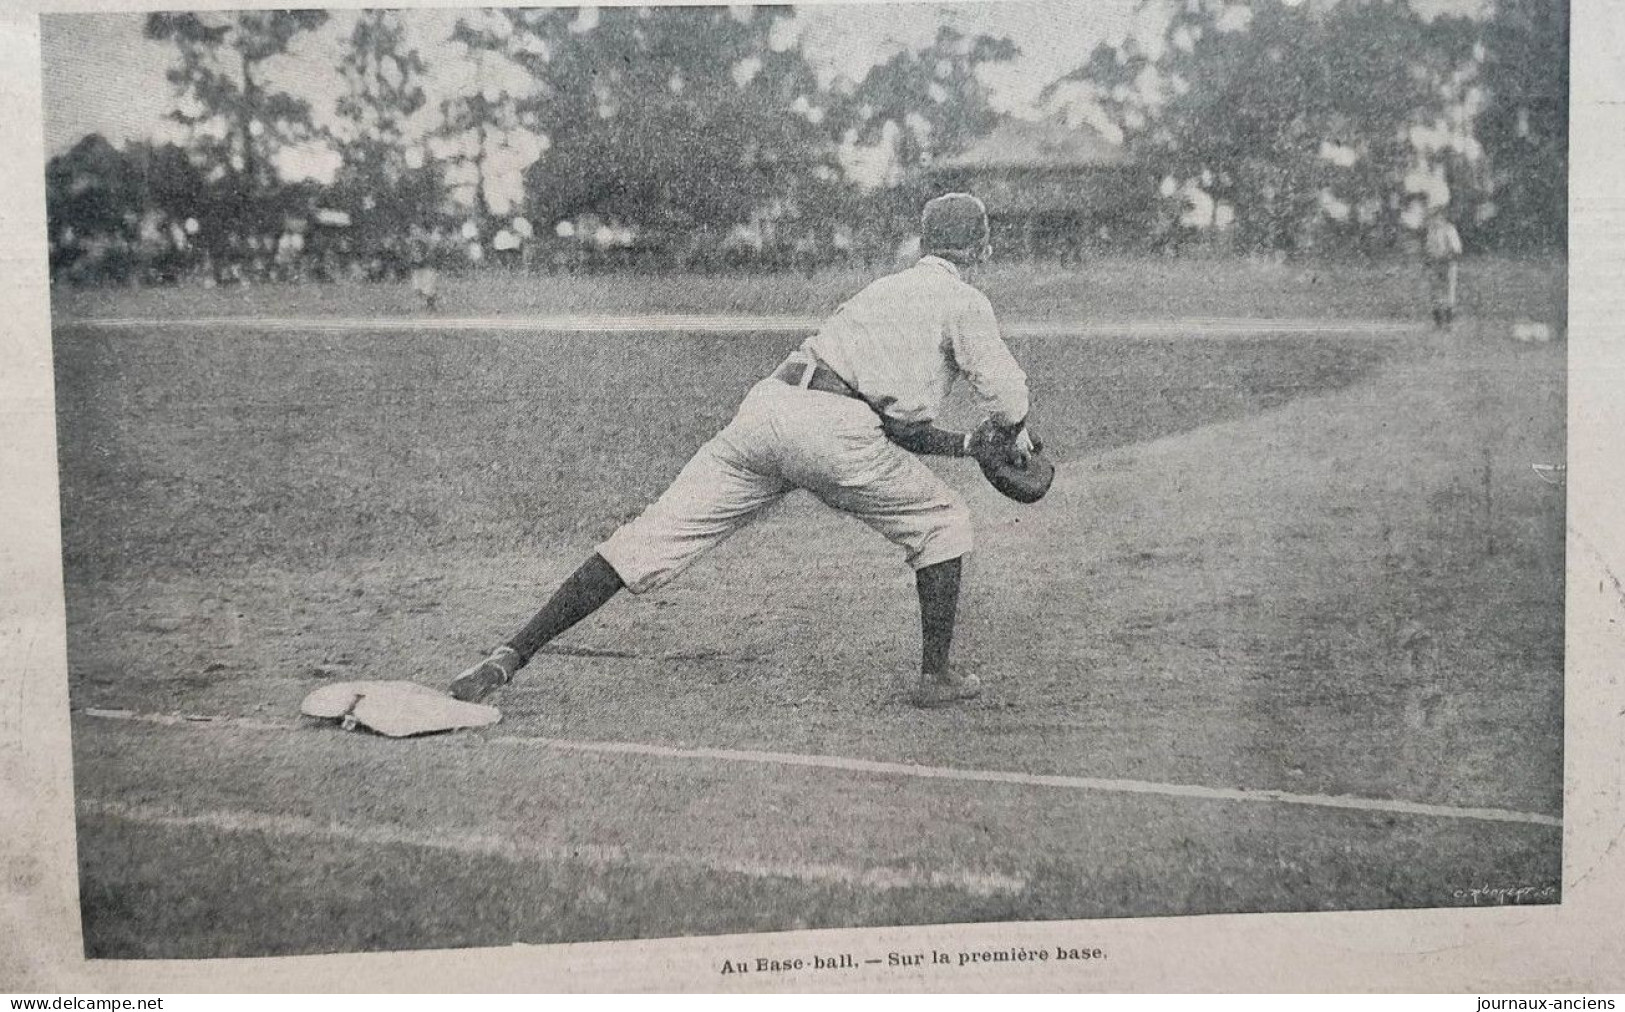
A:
(1576, 946)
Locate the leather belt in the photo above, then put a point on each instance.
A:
(823, 379)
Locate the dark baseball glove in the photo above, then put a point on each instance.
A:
(1009, 466)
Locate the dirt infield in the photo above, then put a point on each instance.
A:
(1317, 568)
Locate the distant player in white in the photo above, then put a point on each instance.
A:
(1441, 247)
(843, 418)
(423, 250)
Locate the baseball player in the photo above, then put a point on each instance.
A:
(1441, 246)
(423, 251)
(843, 417)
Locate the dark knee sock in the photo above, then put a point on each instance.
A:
(938, 586)
(584, 592)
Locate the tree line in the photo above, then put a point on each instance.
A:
(687, 134)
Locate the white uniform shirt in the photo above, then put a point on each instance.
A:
(903, 340)
(1443, 242)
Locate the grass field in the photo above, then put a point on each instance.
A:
(1110, 289)
(1319, 567)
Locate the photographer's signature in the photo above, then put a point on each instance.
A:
(1507, 895)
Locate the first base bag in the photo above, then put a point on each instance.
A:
(395, 709)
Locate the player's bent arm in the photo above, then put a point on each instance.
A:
(926, 439)
(986, 362)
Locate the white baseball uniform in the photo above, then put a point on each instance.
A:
(1442, 245)
(901, 342)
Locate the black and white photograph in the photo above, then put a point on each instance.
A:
(538, 475)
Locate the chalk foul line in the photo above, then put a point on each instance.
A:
(1099, 785)
(676, 323)
(1095, 784)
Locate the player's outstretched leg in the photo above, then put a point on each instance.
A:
(938, 587)
(584, 592)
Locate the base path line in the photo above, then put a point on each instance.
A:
(667, 323)
(596, 856)
(1097, 784)
(949, 773)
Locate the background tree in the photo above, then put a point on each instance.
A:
(92, 193)
(169, 181)
(385, 180)
(930, 102)
(1524, 128)
(1114, 90)
(674, 118)
(1387, 72)
(1240, 120)
(1297, 118)
(98, 196)
(483, 120)
(237, 123)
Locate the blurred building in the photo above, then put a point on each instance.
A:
(1053, 190)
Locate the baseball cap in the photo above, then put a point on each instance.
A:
(953, 221)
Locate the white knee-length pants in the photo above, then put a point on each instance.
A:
(783, 438)
(1442, 284)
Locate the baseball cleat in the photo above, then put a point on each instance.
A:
(485, 677)
(945, 689)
